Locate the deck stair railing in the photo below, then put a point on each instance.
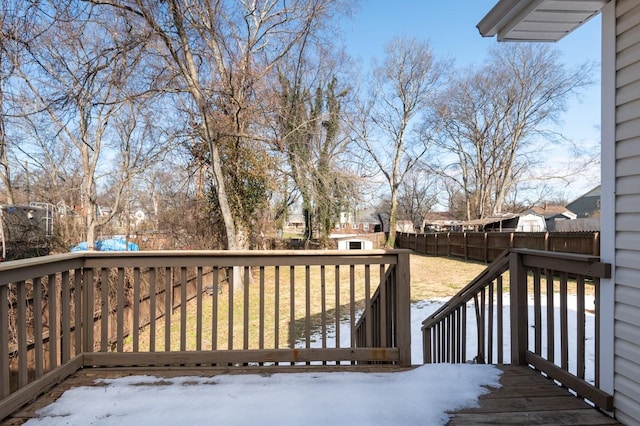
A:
(61, 313)
(378, 324)
(528, 307)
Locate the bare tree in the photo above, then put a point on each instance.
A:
(219, 54)
(5, 169)
(78, 86)
(15, 18)
(314, 144)
(142, 144)
(417, 195)
(404, 88)
(491, 115)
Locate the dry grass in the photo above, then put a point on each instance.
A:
(433, 277)
(269, 326)
(277, 322)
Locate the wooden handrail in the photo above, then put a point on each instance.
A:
(535, 277)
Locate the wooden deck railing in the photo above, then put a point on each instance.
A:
(520, 313)
(377, 326)
(77, 310)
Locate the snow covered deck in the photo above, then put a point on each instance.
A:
(320, 313)
(312, 396)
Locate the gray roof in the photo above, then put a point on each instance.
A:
(588, 205)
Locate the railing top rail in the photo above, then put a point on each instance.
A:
(245, 253)
(581, 264)
(228, 258)
(41, 260)
(557, 254)
(23, 269)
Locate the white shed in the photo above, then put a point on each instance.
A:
(355, 244)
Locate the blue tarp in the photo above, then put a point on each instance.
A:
(111, 244)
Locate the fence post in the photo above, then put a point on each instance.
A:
(486, 248)
(518, 309)
(403, 309)
(87, 308)
(5, 383)
(435, 244)
(426, 346)
(546, 241)
(465, 245)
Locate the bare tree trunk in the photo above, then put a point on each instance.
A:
(405, 85)
(5, 174)
(223, 199)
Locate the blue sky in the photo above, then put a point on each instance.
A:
(450, 27)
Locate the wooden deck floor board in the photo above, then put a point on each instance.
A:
(525, 398)
(549, 418)
(528, 398)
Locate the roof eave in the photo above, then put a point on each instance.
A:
(528, 20)
(503, 12)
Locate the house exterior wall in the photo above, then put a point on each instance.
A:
(626, 200)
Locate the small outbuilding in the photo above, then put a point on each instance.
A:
(508, 222)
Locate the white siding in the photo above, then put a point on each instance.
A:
(627, 214)
(627, 184)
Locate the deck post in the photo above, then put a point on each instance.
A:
(87, 308)
(518, 291)
(403, 308)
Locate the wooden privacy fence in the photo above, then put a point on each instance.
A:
(487, 246)
(128, 309)
(519, 311)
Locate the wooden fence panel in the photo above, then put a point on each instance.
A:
(575, 242)
(476, 246)
(487, 246)
(457, 245)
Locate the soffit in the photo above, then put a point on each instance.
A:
(537, 20)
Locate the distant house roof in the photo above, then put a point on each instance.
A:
(432, 217)
(296, 218)
(587, 205)
(492, 219)
(525, 222)
(368, 216)
(552, 211)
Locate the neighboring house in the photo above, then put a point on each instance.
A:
(103, 211)
(295, 223)
(362, 222)
(555, 216)
(550, 20)
(139, 217)
(507, 222)
(439, 222)
(404, 225)
(358, 222)
(587, 205)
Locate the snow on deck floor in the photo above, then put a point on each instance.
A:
(415, 397)
(420, 396)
